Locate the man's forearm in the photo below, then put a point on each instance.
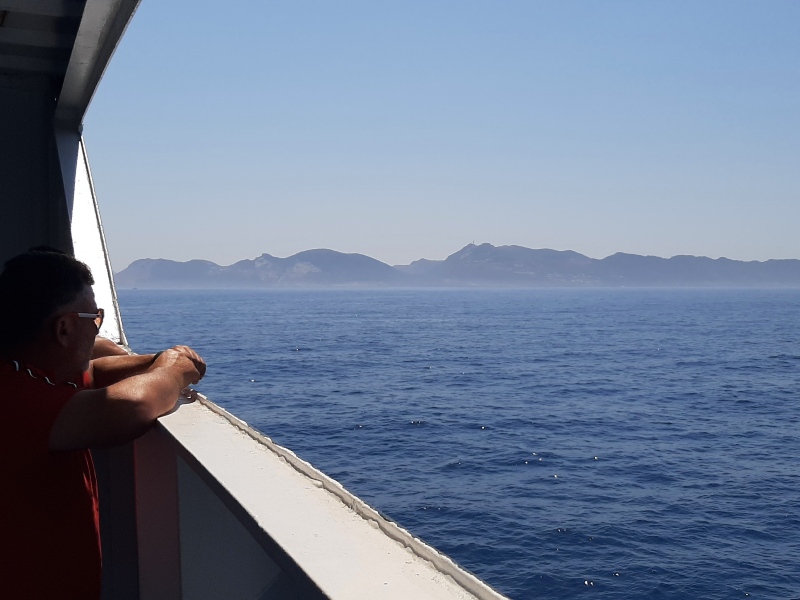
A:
(112, 369)
(148, 387)
(119, 413)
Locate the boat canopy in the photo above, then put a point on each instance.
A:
(53, 54)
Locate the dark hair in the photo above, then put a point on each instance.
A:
(33, 285)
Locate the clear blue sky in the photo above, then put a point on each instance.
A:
(408, 129)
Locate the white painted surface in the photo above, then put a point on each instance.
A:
(347, 555)
(90, 246)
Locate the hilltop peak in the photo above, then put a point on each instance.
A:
(470, 250)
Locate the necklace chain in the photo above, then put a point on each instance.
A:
(18, 368)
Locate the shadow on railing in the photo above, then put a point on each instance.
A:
(172, 531)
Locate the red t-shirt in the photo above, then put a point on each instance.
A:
(49, 517)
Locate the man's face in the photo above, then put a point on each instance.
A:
(82, 331)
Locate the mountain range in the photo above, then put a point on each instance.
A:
(481, 265)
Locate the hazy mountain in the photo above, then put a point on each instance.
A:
(524, 267)
(160, 272)
(308, 268)
(472, 266)
(506, 265)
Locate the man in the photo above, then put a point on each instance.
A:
(56, 403)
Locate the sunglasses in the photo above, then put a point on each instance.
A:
(96, 317)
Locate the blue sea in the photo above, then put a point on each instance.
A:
(560, 444)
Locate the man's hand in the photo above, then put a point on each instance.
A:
(183, 362)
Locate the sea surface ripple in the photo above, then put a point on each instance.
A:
(621, 444)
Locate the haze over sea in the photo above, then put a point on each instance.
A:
(615, 443)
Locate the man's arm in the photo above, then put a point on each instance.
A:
(125, 410)
(109, 370)
(105, 347)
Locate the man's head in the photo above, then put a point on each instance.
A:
(41, 291)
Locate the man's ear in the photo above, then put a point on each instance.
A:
(62, 329)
